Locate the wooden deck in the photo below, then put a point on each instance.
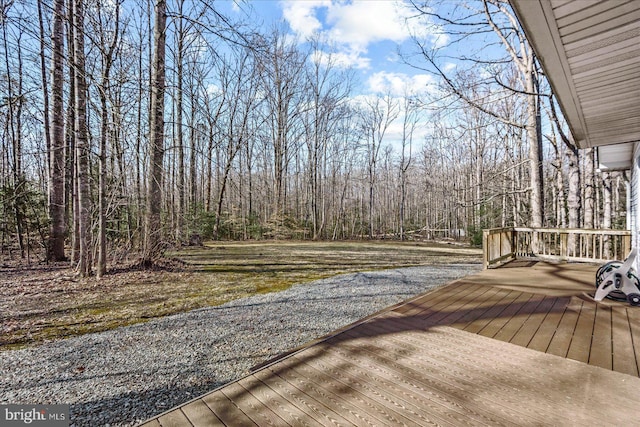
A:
(520, 345)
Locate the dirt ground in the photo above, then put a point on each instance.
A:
(42, 302)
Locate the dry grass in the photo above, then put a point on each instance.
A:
(39, 304)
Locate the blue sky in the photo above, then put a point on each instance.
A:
(365, 33)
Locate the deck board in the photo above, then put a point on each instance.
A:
(469, 353)
(436, 401)
(456, 306)
(580, 346)
(515, 324)
(363, 390)
(344, 409)
(226, 410)
(254, 409)
(634, 327)
(428, 371)
(465, 307)
(494, 310)
(151, 423)
(498, 322)
(198, 414)
(268, 397)
(531, 325)
(174, 419)
(624, 358)
(316, 412)
(481, 308)
(433, 306)
(561, 340)
(450, 376)
(550, 324)
(601, 350)
(429, 299)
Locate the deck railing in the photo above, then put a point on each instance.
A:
(554, 244)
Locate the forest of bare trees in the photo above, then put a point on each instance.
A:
(132, 126)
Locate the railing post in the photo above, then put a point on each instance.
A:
(514, 243)
(627, 245)
(485, 249)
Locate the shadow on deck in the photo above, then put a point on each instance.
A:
(519, 345)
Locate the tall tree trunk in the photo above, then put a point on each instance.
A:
(44, 80)
(101, 267)
(82, 143)
(179, 129)
(408, 127)
(70, 181)
(561, 217)
(195, 135)
(54, 130)
(589, 189)
(607, 207)
(535, 152)
(280, 154)
(13, 134)
(574, 201)
(223, 187)
(156, 138)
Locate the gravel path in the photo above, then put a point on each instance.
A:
(126, 375)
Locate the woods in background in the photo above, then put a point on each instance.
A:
(129, 127)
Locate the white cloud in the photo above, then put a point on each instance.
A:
(363, 22)
(213, 89)
(398, 84)
(449, 66)
(301, 16)
(342, 59)
(353, 26)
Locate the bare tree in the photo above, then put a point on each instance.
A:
(607, 210)
(108, 44)
(376, 116)
(14, 103)
(280, 67)
(523, 57)
(410, 117)
(55, 130)
(571, 152)
(327, 91)
(71, 180)
(497, 16)
(267, 138)
(153, 229)
(82, 142)
(242, 86)
(589, 188)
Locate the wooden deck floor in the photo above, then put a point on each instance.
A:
(522, 345)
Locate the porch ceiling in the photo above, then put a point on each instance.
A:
(590, 51)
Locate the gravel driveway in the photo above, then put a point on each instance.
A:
(126, 375)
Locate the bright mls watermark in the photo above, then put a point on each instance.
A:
(34, 415)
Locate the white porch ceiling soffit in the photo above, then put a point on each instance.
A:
(615, 157)
(590, 51)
